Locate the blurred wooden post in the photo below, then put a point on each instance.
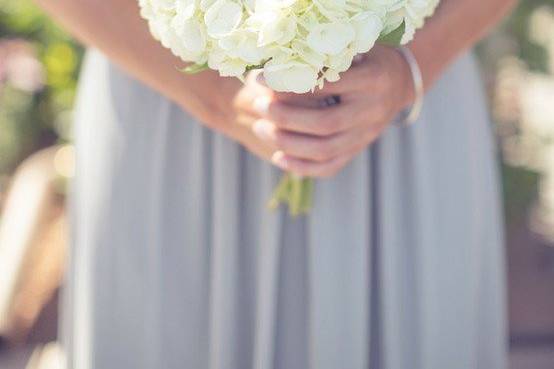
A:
(32, 244)
(51, 356)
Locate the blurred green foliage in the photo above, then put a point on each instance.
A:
(521, 183)
(518, 27)
(32, 120)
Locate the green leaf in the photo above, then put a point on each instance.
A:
(393, 38)
(194, 68)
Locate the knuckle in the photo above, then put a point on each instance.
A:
(380, 78)
(368, 71)
(328, 125)
(281, 140)
(323, 152)
(363, 115)
(342, 124)
(383, 110)
(325, 128)
(280, 117)
(373, 113)
(369, 136)
(335, 146)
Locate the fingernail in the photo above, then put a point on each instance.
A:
(279, 159)
(261, 129)
(261, 104)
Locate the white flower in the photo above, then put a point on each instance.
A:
(331, 38)
(185, 9)
(273, 28)
(333, 10)
(192, 36)
(205, 4)
(232, 68)
(243, 45)
(290, 77)
(308, 55)
(298, 44)
(368, 27)
(223, 17)
(341, 62)
(303, 43)
(263, 5)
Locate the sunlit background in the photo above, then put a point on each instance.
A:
(39, 68)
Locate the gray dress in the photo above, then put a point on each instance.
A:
(176, 262)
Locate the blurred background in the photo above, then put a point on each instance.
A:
(39, 68)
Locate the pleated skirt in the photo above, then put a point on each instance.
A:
(176, 262)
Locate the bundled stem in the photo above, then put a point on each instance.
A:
(295, 192)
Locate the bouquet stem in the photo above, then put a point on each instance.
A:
(295, 192)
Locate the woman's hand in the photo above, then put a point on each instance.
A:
(230, 110)
(116, 28)
(303, 140)
(319, 142)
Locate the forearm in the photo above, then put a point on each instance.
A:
(115, 27)
(456, 26)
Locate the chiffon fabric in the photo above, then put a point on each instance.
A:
(177, 263)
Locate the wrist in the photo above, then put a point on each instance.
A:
(208, 97)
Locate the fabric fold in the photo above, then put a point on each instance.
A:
(176, 262)
(339, 271)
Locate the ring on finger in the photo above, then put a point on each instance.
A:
(330, 101)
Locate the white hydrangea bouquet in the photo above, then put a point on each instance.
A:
(298, 44)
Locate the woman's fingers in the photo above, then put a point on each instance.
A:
(365, 75)
(326, 121)
(308, 168)
(317, 134)
(297, 118)
(325, 169)
(312, 155)
(302, 146)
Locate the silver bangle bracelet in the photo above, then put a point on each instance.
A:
(411, 115)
